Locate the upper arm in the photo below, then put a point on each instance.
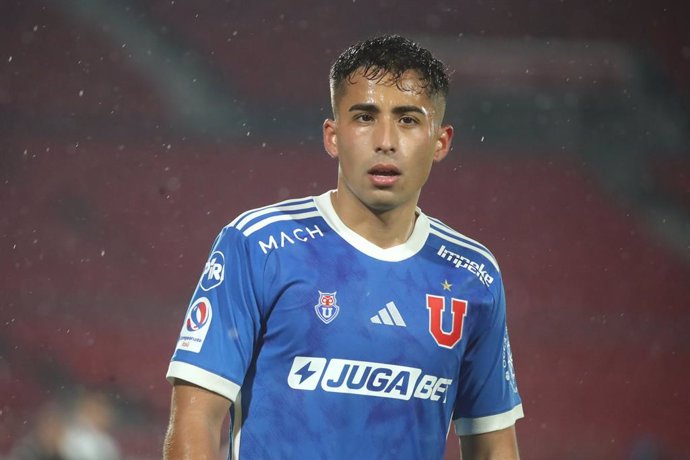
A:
(214, 349)
(494, 445)
(216, 342)
(487, 398)
(196, 418)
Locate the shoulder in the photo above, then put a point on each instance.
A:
(254, 220)
(270, 227)
(464, 252)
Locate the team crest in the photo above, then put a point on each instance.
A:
(327, 308)
(437, 306)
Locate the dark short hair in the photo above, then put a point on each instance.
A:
(390, 56)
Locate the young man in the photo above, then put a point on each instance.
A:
(351, 325)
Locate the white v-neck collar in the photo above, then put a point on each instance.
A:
(394, 254)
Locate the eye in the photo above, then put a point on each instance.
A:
(408, 120)
(364, 117)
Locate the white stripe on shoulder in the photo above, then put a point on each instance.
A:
(271, 209)
(306, 200)
(443, 227)
(481, 251)
(269, 220)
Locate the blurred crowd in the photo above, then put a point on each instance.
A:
(74, 428)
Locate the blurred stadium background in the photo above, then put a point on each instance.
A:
(131, 132)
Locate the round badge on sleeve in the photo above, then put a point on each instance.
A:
(214, 271)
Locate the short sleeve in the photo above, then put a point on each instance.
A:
(488, 398)
(222, 322)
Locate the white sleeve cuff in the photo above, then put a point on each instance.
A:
(203, 378)
(468, 426)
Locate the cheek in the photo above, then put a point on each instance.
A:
(354, 142)
(418, 145)
(422, 160)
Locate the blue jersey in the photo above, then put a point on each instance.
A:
(332, 347)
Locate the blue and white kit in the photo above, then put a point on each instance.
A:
(332, 347)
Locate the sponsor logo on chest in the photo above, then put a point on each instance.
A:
(366, 378)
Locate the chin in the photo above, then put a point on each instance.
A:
(381, 200)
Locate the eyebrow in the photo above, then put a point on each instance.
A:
(373, 108)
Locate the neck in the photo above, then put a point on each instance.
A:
(384, 228)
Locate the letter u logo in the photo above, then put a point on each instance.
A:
(437, 305)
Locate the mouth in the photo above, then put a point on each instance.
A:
(384, 175)
(384, 170)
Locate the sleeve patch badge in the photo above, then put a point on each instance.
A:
(196, 325)
(214, 271)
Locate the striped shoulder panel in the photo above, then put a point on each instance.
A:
(444, 232)
(256, 219)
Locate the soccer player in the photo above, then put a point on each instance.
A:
(351, 325)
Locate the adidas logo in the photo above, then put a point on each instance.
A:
(389, 315)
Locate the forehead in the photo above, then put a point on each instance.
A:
(383, 87)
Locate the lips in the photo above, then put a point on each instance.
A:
(383, 174)
(384, 170)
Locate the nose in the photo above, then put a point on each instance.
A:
(386, 137)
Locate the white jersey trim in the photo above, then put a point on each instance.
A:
(269, 220)
(449, 238)
(398, 253)
(203, 378)
(270, 209)
(469, 426)
(248, 214)
(452, 231)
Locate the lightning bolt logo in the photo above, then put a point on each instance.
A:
(305, 373)
(302, 372)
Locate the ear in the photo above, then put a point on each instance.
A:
(443, 142)
(330, 138)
